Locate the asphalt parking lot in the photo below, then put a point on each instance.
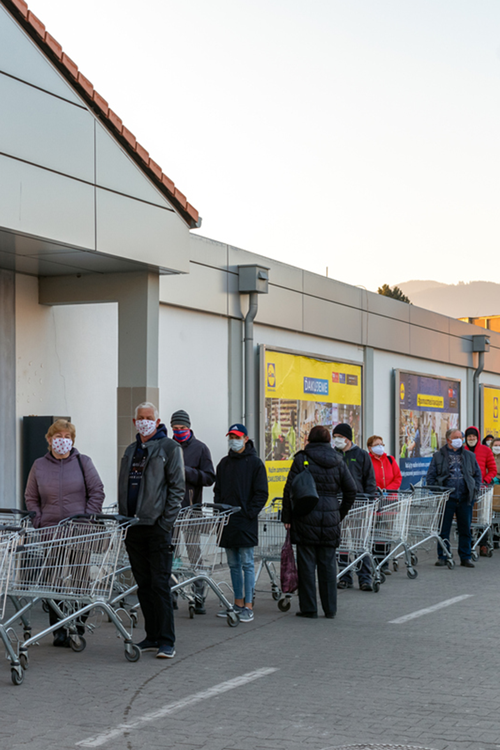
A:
(372, 675)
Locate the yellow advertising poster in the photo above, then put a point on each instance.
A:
(491, 419)
(301, 392)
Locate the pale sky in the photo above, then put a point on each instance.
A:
(362, 135)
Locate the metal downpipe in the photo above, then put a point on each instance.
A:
(250, 365)
(475, 381)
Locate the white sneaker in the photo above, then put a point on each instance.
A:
(246, 615)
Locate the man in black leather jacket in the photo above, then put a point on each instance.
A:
(151, 488)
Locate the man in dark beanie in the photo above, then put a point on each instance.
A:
(200, 473)
(360, 466)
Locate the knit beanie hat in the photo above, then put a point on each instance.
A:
(180, 417)
(343, 429)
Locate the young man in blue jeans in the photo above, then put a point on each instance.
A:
(241, 481)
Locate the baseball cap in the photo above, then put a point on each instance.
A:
(238, 429)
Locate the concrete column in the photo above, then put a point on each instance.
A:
(369, 394)
(235, 370)
(8, 389)
(138, 297)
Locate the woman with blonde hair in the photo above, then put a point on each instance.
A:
(61, 484)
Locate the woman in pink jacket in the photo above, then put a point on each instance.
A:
(61, 484)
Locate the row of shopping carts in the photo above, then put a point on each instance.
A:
(80, 572)
(382, 531)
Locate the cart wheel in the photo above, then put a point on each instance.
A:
(490, 553)
(383, 577)
(475, 555)
(27, 635)
(414, 559)
(77, 643)
(376, 586)
(16, 676)
(450, 563)
(232, 619)
(412, 573)
(284, 605)
(23, 660)
(132, 652)
(45, 607)
(276, 594)
(395, 566)
(191, 611)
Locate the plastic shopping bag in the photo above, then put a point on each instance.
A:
(289, 575)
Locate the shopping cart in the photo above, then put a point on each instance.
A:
(425, 518)
(390, 532)
(72, 568)
(272, 535)
(356, 540)
(482, 519)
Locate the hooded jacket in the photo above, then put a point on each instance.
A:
(484, 457)
(56, 488)
(199, 470)
(387, 473)
(320, 527)
(241, 481)
(438, 473)
(162, 485)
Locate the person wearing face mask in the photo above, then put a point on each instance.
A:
(387, 473)
(241, 481)
(61, 484)
(151, 488)
(456, 468)
(488, 440)
(200, 472)
(483, 455)
(361, 468)
(495, 449)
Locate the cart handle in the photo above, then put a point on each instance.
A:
(103, 517)
(217, 506)
(17, 511)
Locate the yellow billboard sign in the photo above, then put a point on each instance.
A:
(491, 418)
(429, 402)
(301, 392)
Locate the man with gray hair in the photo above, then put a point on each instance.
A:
(151, 488)
(457, 469)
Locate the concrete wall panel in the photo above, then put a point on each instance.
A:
(281, 307)
(45, 130)
(208, 252)
(429, 344)
(280, 274)
(306, 344)
(387, 333)
(334, 321)
(330, 289)
(428, 319)
(385, 306)
(7, 389)
(203, 289)
(45, 204)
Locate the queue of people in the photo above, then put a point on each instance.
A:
(159, 475)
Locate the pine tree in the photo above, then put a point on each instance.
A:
(395, 293)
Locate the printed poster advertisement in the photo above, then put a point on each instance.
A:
(301, 392)
(428, 407)
(491, 421)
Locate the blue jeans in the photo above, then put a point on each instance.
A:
(463, 512)
(241, 565)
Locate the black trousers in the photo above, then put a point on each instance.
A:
(309, 559)
(150, 551)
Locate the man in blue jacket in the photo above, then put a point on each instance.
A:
(200, 473)
(241, 481)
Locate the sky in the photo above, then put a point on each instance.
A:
(362, 136)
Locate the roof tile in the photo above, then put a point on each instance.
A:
(86, 85)
(70, 66)
(101, 103)
(21, 6)
(115, 120)
(155, 168)
(192, 212)
(180, 198)
(141, 151)
(36, 24)
(129, 137)
(167, 182)
(54, 46)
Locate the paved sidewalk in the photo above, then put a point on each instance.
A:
(431, 682)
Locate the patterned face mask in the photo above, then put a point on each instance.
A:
(61, 446)
(145, 427)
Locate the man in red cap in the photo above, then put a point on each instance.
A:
(241, 481)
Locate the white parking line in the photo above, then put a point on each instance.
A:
(170, 708)
(428, 610)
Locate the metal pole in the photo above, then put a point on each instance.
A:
(475, 380)
(250, 366)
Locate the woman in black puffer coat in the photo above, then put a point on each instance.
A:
(317, 534)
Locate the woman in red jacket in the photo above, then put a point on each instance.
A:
(387, 473)
(483, 454)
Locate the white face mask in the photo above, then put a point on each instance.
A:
(145, 427)
(339, 442)
(236, 444)
(471, 441)
(61, 446)
(496, 450)
(377, 449)
(456, 443)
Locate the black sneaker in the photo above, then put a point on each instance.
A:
(365, 586)
(310, 615)
(467, 564)
(147, 645)
(440, 563)
(165, 652)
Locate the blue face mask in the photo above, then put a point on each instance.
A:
(182, 435)
(236, 444)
